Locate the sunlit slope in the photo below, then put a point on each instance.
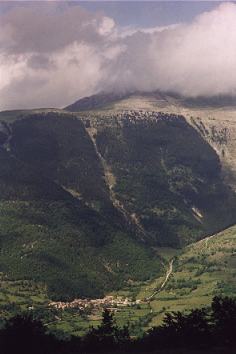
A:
(203, 270)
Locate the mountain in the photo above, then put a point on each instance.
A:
(58, 225)
(166, 172)
(96, 101)
(122, 101)
(87, 196)
(213, 117)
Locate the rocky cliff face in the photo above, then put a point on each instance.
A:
(214, 119)
(219, 129)
(165, 176)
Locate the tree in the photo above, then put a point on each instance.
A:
(23, 334)
(107, 336)
(224, 319)
(108, 326)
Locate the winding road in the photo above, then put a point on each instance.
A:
(168, 274)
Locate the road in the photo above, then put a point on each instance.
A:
(168, 274)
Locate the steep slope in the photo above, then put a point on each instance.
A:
(60, 149)
(213, 117)
(57, 223)
(219, 129)
(165, 175)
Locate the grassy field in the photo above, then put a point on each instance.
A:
(203, 270)
(20, 296)
(72, 322)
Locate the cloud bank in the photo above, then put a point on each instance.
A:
(52, 55)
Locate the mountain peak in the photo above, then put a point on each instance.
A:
(121, 101)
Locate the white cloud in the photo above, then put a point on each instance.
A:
(54, 56)
(106, 26)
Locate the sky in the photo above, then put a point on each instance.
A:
(53, 53)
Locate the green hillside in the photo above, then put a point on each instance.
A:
(201, 271)
(58, 225)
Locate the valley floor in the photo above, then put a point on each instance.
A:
(193, 277)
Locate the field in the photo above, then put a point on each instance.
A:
(203, 270)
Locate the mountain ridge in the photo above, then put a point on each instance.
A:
(213, 117)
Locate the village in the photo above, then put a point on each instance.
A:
(109, 302)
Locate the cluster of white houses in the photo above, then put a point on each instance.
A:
(106, 302)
